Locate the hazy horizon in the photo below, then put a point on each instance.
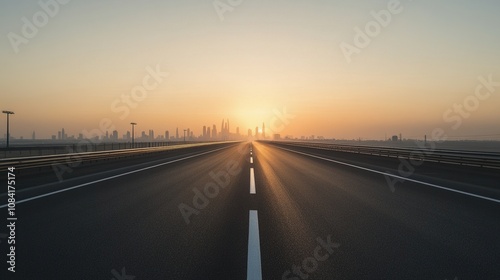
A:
(252, 64)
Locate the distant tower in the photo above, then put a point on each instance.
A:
(263, 130)
(204, 131)
(33, 136)
(256, 132)
(63, 134)
(177, 133)
(214, 131)
(167, 135)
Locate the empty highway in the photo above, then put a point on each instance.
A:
(257, 210)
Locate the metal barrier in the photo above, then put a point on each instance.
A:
(35, 162)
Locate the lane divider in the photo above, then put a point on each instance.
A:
(252, 181)
(254, 264)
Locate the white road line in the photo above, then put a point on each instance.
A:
(254, 270)
(109, 178)
(252, 181)
(251, 159)
(396, 176)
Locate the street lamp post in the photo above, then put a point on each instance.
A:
(133, 124)
(8, 133)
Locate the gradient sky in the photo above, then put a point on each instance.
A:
(263, 56)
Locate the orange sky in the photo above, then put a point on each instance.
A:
(260, 58)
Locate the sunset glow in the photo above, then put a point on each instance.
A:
(261, 58)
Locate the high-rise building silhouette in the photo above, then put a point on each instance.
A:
(208, 132)
(204, 131)
(177, 133)
(167, 135)
(33, 136)
(263, 130)
(224, 132)
(214, 131)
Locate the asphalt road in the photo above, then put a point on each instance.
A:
(202, 215)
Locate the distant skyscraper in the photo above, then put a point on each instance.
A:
(115, 135)
(59, 137)
(33, 136)
(177, 133)
(214, 131)
(63, 134)
(188, 133)
(204, 131)
(167, 135)
(256, 132)
(224, 131)
(151, 134)
(263, 130)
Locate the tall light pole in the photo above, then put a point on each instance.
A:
(133, 124)
(8, 133)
